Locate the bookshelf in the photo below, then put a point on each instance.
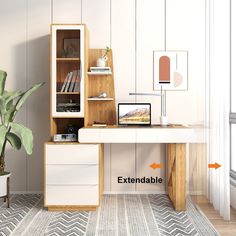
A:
(73, 172)
(101, 110)
(69, 48)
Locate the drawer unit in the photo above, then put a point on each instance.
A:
(72, 154)
(72, 195)
(73, 175)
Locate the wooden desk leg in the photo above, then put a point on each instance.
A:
(8, 192)
(176, 175)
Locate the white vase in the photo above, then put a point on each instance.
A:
(3, 184)
(101, 62)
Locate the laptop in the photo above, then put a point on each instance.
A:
(134, 114)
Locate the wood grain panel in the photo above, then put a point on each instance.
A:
(96, 15)
(67, 12)
(38, 54)
(103, 111)
(176, 175)
(13, 60)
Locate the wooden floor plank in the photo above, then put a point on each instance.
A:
(225, 228)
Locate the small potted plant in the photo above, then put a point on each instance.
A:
(101, 61)
(12, 132)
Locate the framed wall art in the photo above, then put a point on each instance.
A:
(71, 47)
(170, 70)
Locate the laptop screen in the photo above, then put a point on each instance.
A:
(134, 114)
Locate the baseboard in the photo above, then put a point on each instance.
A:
(117, 192)
(134, 192)
(105, 192)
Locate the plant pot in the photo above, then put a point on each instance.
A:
(3, 184)
(101, 62)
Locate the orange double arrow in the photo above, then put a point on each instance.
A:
(216, 165)
(210, 166)
(156, 166)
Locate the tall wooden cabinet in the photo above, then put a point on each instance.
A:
(69, 50)
(72, 171)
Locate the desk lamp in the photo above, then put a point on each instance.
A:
(163, 117)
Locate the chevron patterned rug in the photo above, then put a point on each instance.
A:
(133, 215)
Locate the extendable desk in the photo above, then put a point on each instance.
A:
(175, 136)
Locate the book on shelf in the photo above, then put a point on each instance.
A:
(65, 82)
(99, 124)
(77, 83)
(68, 82)
(100, 69)
(71, 82)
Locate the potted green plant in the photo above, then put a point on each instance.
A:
(101, 61)
(12, 132)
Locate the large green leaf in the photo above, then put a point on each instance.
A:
(26, 136)
(9, 115)
(24, 97)
(9, 96)
(2, 106)
(3, 76)
(14, 140)
(3, 131)
(9, 105)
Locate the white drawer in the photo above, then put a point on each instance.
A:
(72, 154)
(72, 195)
(72, 174)
(106, 135)
(89, 135)
(164, 135)
(119, 135)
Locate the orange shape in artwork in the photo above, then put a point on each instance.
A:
(164, 69)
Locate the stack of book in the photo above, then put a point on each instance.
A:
(106, 69)
(71, 82)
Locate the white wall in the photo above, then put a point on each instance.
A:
(133, 29)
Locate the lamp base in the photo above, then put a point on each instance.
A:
(163, 120)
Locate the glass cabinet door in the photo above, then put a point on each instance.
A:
(67, 71)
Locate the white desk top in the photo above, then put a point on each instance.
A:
(145, 134)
